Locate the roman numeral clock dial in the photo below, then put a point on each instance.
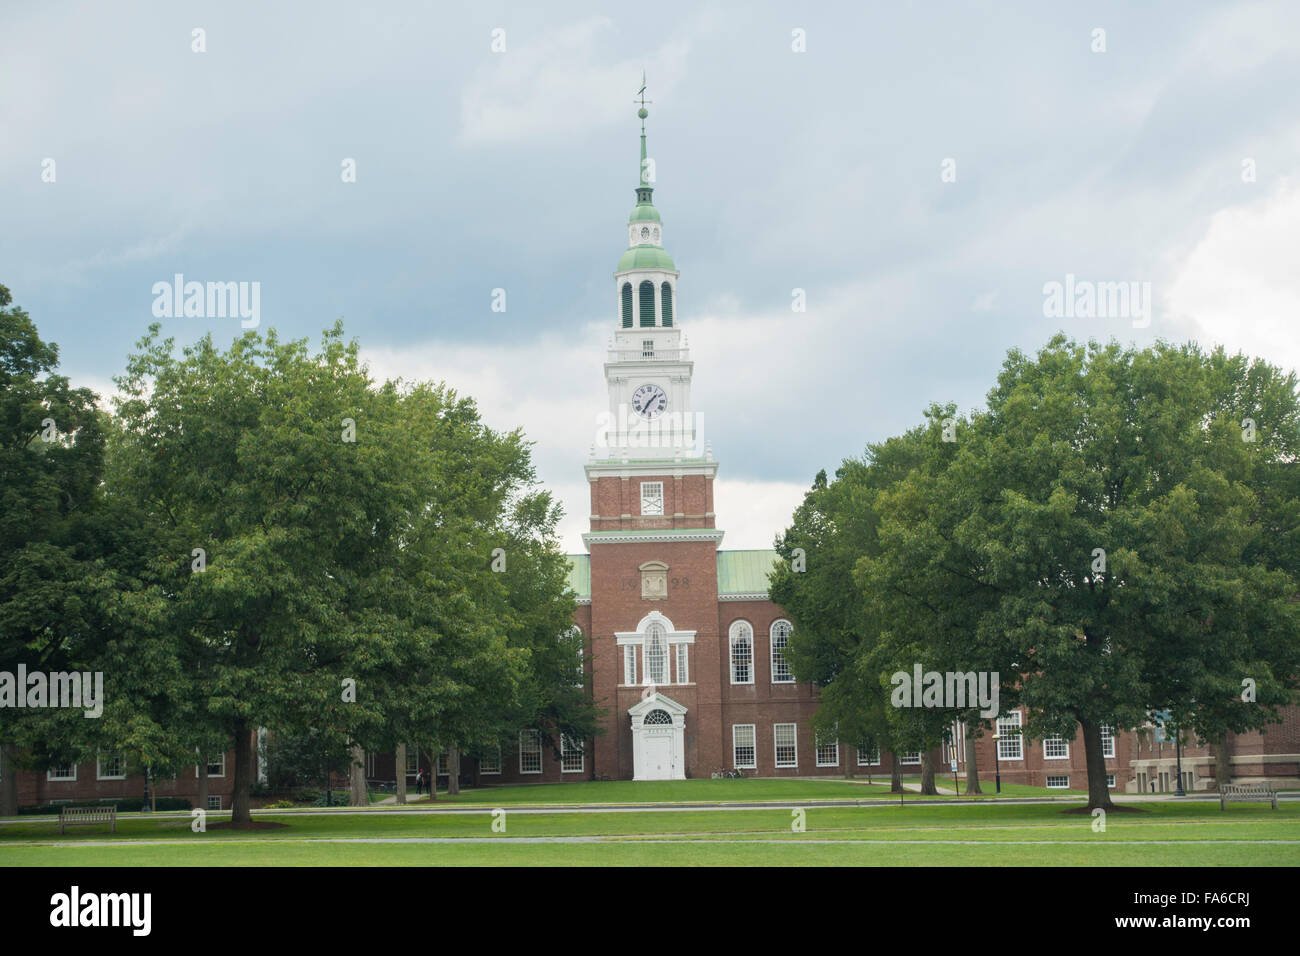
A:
(649, 401)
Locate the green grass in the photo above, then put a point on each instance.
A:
(1172, 834)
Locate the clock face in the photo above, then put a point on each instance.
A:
(649, 401)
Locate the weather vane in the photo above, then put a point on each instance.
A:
(642, 112)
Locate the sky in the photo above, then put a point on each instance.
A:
(922, 171)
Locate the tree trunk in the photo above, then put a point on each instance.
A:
(357, 795)
(972, 765)
(401, 773)
(895, 774)
(1223, 762)
(1098, 792)
(8, 782)
(240, 809)
(927, 775)
(433, 775)
(453, 771)
(202, 802)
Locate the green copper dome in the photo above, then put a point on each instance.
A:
(644, 212)
(646, 257)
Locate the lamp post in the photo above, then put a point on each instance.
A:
(1178, 756)
(997, 767)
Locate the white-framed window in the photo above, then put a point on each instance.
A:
(683, 664)
(1110, 781)
(780, 636)
(629, 664)
(652, 497)
(110, 767)
(490, 760)
(647, 348)
(530, 751)
(744, 751)
(571, 756)
(909, 758)
(216, 766)
(1055, 748)
(742, 653)
(62, 771)
(786, 743)
(441, 768)
(656, 654)
(868, 758)
(412, 759)
(1010, 743)
(214, 802)
(1058, 782)
(828, 753)
(1107, 742)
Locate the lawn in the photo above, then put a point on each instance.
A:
(1162, 834)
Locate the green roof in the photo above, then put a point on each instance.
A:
(646, 257)
(744, 572)
(739, 572)
(580, 574)
(644, 212)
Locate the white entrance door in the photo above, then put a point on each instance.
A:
(657, 754)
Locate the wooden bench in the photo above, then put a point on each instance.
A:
(87, 816)
(1246, 792)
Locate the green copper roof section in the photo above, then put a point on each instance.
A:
(580, 574)
(745, 572)
(645, 257)
(645, 210)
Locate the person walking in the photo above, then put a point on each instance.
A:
(419, 782)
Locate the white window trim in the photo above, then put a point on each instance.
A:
(565, 749)
(652, 485)
(1018, 738)
(1058, 786)
(773, 653)
(739, 625)
(211, 775)
(1110, 781)
(629, 665)
(818, 748)
(753, 735)
(1107, 735)
(50, 778)
(217, 798)
(1064, 743)
(908, 760)
(875, 754)
(100, 775)
(536, 735)
(683, 663)
(794, 728)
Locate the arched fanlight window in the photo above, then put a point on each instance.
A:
(666, 303)
(627, 305)
(742, 653)
(657, 718)
(647, 304)
(656, 654)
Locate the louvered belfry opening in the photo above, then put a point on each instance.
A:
(647, 304)
(666, 304)
(627, 305)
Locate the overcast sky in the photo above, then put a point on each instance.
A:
(1171, 158)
